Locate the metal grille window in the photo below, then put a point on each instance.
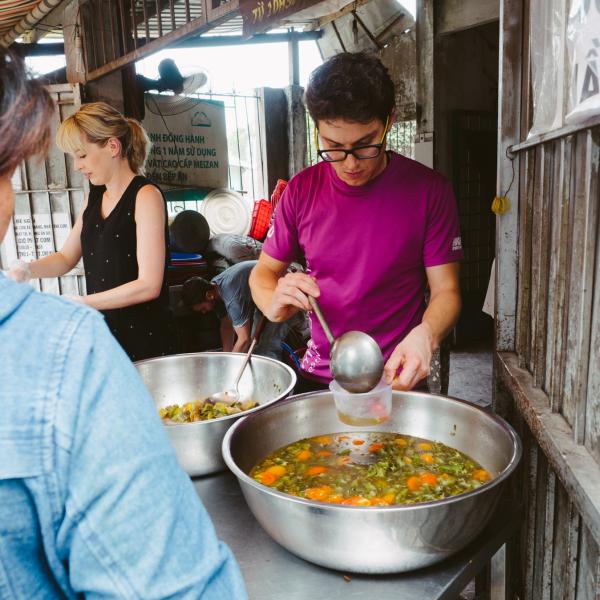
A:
(245, 162)
(401, 138)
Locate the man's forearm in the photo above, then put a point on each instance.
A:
(262, 286)
(226, 331)
(442, 314)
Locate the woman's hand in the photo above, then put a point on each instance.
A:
(19, 271)
(411, 359)
(290, 294)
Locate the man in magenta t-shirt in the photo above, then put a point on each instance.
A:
(374, 227)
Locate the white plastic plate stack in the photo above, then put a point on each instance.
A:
(226, 212)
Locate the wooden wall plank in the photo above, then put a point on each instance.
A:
(539, 262)
(548, 533)
(572, 463)
(511, 39)
(588, 563)
(558, 274)
(534, 237)
(583, 249)
(531, 487)
(592, 432)
(457, 15)
(543, 243)
(565, 543)
(425, 66)
(523, 342)
(538, 522)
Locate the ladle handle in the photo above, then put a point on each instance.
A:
(322, 320)
(259, 327)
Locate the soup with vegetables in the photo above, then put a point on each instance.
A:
(201, 410)
(369, 469)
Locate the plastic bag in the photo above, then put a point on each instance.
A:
(583, 41)
(547, 49)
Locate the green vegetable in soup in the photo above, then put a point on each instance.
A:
(200, 410)
(391, 469)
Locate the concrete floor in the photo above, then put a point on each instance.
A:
(471, 373)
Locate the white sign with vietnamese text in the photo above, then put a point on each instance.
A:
(44, 236)
(189, 141)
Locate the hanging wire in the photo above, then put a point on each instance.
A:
(512, 164)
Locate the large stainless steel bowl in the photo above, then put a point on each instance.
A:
(184, 377)
(389, 539)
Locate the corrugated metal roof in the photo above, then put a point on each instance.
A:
(12, 12)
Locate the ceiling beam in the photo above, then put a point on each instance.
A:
(205, 41)
(319, 23)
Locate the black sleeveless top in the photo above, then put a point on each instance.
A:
(109, 249)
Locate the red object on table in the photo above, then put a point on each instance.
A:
(261, 217)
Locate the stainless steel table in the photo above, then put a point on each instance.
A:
(273, 573)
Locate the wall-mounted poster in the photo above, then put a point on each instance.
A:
(189, 141)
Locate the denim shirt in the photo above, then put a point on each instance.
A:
(92, 501)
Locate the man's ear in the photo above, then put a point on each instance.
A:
(210, 296)
(393, 117)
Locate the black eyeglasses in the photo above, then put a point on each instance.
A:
(359, 152)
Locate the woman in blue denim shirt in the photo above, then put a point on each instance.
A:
(92, 501)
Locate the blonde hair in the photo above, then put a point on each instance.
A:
(96, 123)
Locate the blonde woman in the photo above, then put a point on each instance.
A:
(121, 233)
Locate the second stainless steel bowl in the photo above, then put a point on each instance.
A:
(184, 377)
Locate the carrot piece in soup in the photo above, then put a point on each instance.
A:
(358, 442)
(375, 447)
(357, 501)
(304, 455)
(266, 477)
(376, 501)
(335, 499)
(277, 470)
(318, 493)
(324, 440)
(316, 470)
(481, 475)
(343, 460)
(427, 458)
(323, 453)
(428, 479)
(424, 446)
(413, 483)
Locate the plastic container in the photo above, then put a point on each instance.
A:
(369, 408)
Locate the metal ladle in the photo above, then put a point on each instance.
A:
(233, 395)
(355, 358)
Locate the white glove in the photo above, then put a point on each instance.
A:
(19, 271)
(74, 298)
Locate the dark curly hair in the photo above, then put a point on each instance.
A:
(353, 86)
(26, 111)
(194, 291)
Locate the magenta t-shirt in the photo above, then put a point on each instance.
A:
(367, 246)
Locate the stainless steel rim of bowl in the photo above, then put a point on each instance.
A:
(502, 476)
